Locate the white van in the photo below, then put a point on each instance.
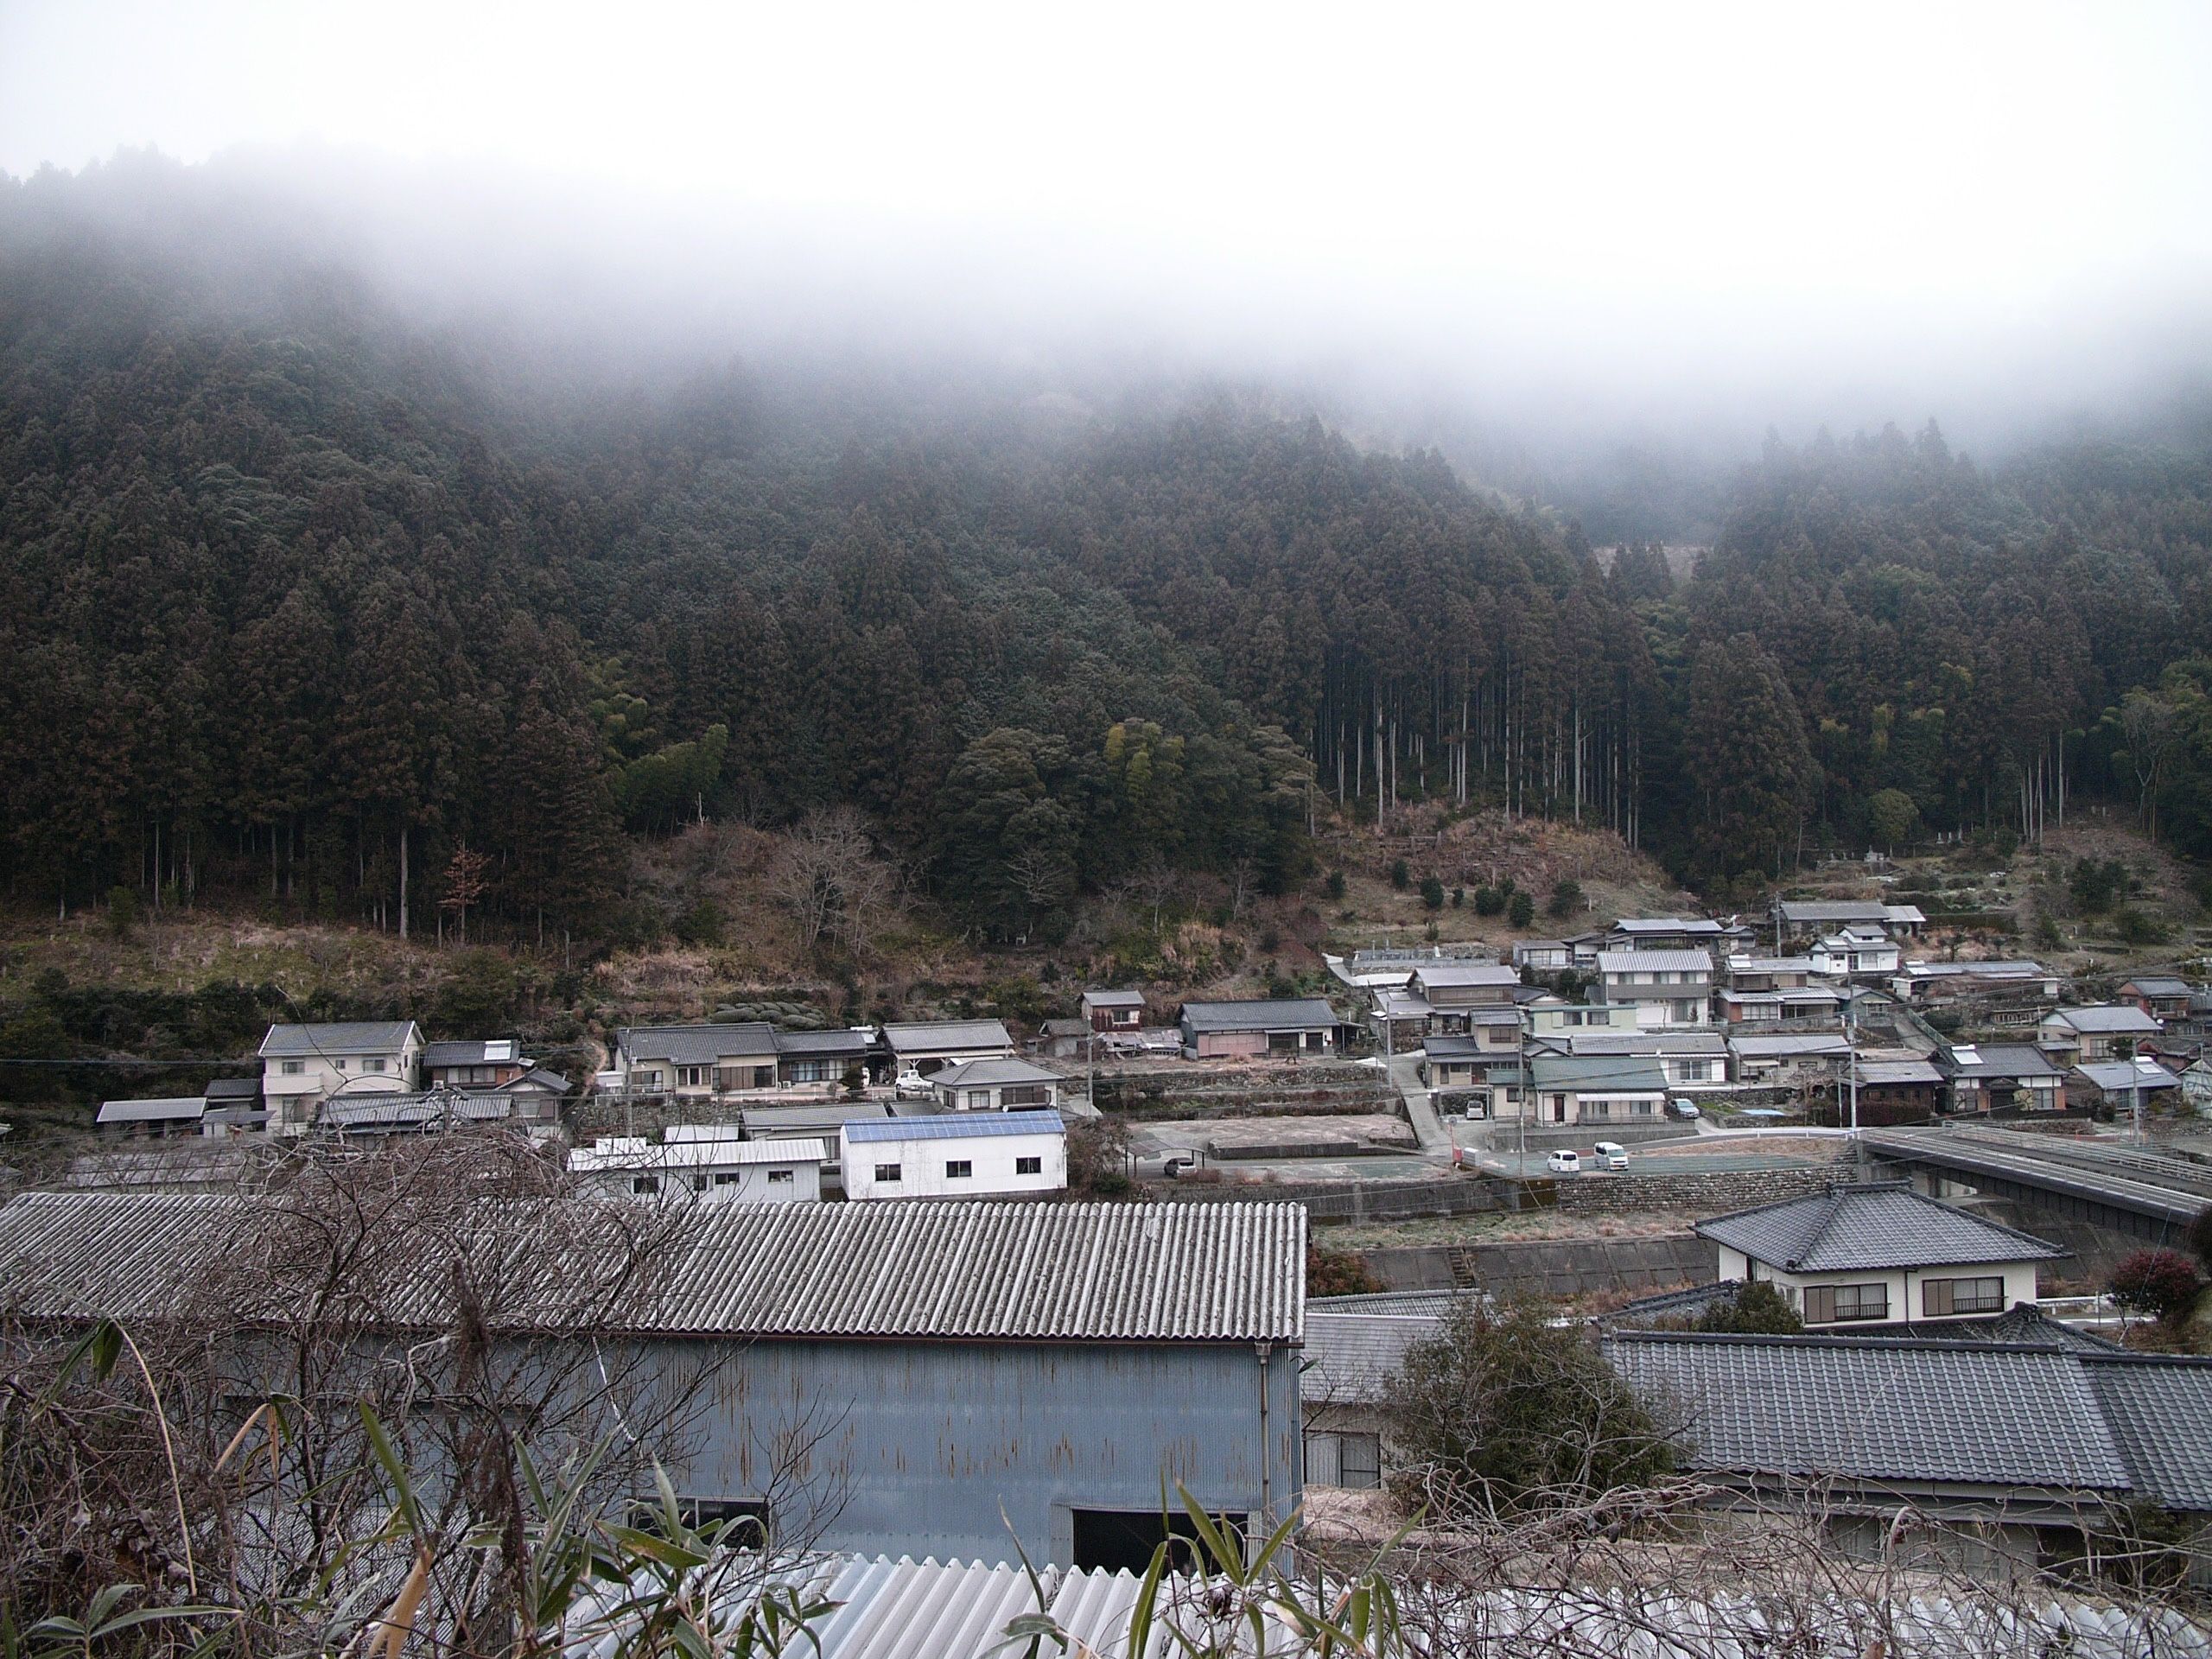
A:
(1564, 1162)
(1610, 1154)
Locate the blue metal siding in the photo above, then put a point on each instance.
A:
(914, 1448)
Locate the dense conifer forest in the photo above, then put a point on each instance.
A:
(301, 597)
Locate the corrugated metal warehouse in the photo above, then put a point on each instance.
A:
(930, 1365)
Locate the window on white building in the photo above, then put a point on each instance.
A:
(887, 1172)
(1029, 1165)
(959, 1169)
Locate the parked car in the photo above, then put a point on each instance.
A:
(1683, 1110)
(1564, 1162)
(1610, 1154)
(912, 1085)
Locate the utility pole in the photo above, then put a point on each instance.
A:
(1851, 1059)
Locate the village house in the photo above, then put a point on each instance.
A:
(823, 1062)
(1774, 991)
(1277, 1028)
(2196, 1084)
(1454, 1063)
(1677, 933)
(1108, 1011)
(152, 1120)
(304, 1066)
(2009, 1078)
(1551, 1017)
(700, 1163)
(477, 1065)
(2119, 1087)
(957, 1156)
(995, 1086)
(1352, 1360)
(1665, 988)
(1994, 1458)
(1858, 952)
(233, 1108)
(2094, 1033)
(1451, 989)
(1611, 1090)
(425, 1111)
(1878, 1252)
(1894, 1089)
(926, 1046)
(1787, 1060)
(1061, 1365)
(1937, 984)
(1688, 1059)
(2160, 995)
(1543, 955)
(1801, 918)
(696, 1063)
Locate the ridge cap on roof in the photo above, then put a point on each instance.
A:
(1872, 1339)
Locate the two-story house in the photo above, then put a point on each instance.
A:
(304, 1066)
(1550, 1019)
(2102, 1032)
(1878, 1253)
(696, 1063)
(963, 1156)
(476, 1064)
(1665, 988)
(1453, 989)
(1854, 953)
(1774, 991)
(2164, 998)
(1111, 1011)
(2001, 1078)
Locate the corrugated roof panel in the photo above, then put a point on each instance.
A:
(921, 1270)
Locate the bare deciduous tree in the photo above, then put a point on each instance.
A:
(828, 877)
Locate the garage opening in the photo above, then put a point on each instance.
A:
(1122, 1541)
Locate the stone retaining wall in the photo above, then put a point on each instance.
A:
(1712, 1192)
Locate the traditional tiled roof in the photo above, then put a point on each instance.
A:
(2118, 1077)
(700, 1044)
(1898, 1072)
(1882, 1410)
(825, 1042)
(488, 1051)
(2117, 1018)
(918, 1270)
(1910, 1412)
(1436, 973)
(1877, 1224)
(2157, 985)
(1597, 1074)
(939, 1036)
(1789, 1045)
(316, 1041)
(990, 1074)
(1996, 1060)
(1350, 1357)
(1291, 1014)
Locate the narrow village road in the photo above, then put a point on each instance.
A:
(1428, 1129)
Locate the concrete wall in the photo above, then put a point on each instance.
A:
(1630, 1267)
(916, 1446)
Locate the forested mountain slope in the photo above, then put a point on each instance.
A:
(300, 593)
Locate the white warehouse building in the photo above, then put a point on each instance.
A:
(971, 1154)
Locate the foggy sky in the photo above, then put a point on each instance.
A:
(1577, 213)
